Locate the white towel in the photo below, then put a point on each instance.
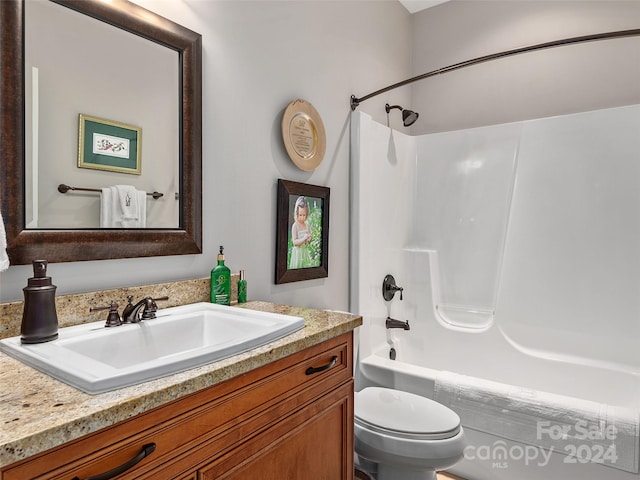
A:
(581, 429)
(122, 206)
(4, 258)
(128, 198)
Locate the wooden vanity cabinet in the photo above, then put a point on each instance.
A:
(288, 420)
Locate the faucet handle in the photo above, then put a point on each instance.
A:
(113, 318)
(151, 307)
(389, 288)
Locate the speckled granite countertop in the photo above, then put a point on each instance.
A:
(38, 412)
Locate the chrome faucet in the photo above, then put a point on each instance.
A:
(393, 323)
(148, 306)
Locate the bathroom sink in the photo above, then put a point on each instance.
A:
(96, 359)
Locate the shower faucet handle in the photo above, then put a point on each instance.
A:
(389, 288)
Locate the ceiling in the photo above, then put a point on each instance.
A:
(417, 5)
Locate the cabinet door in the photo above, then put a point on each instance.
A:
(315, 443)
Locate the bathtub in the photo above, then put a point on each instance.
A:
(491, 357)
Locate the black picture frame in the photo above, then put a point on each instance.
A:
(310, 259)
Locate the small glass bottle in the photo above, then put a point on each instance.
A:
(242, 288)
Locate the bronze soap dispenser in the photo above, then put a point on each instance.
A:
(39, 318)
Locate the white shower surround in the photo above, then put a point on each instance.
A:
(567, 303)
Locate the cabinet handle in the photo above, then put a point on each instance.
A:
(146, 450)
(312, 370)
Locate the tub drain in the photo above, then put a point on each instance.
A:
(392, 353)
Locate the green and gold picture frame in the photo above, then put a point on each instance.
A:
(109, 145)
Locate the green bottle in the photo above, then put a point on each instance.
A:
(242, 288)
(221, 282)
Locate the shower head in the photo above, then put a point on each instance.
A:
(409, 117)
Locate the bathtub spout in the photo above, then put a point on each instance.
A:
(393, 323)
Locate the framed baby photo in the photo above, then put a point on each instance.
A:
(109, 145)
(302, 233)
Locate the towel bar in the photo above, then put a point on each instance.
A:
(62, 188)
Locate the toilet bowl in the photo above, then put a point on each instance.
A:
(402, 436)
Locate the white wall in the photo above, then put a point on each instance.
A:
(258, 56)
(552, 82)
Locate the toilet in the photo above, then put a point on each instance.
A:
(403, 436)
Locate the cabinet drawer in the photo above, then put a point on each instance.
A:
(219, 417)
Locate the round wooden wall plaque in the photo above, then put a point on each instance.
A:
(303, 135)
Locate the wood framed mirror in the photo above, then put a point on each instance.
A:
(57, 245)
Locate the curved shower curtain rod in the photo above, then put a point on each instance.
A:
(540, 46)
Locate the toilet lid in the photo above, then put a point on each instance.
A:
(404, 413)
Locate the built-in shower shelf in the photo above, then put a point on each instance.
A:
(463, 316)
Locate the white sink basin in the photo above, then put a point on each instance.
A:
(96, 359)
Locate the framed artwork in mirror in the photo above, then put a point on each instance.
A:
(302, 234)
(108, 145)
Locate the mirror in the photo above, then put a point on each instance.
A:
(26, 243)
(97, 116)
